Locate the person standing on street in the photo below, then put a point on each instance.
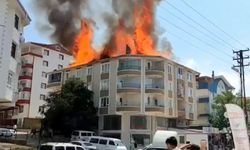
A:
(14, 128)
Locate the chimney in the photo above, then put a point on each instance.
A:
(213, 74)
(128, 50)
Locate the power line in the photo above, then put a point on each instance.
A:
(194, 27)
(199, 24)
(212, 23)
(184, 30)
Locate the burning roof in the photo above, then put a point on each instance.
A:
(130, 23)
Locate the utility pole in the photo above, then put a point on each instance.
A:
(240, 60)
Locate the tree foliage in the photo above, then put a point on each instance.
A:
(217, 118)
(71, 108)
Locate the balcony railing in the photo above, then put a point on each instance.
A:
(154, 105)
(129, 85)
(154, 86)
(32, 50)
(181, 109)
(154, 68)
(128, 104)
(55, 78)
(29, 74)
(129, 67)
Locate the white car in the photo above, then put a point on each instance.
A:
(86, 145)
(6, 132)
(60, 146)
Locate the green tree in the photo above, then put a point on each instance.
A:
(71, 108)
(217, 118)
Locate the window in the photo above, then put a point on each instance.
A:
(59, 148)
(79, 148)
(162, 122)
(45, 63)
(10, 76)
(46, 147)
(104, 102)
(182, 139)
(170, 86)
(89, 71)
(60, 66)
(20, 109)
(111, 143)
(112, 122)
(190, 92)
(170, 104)
(94, 140)
(103, 142)
(42, 97)
(67, 75)
(13, 50)
(43, 85)
(190, 108)
(189, 77)
(179, 73)
(46, 52)
(44, 74)
(70, 148)
(16, 22)
(76, 143)
(84, 134)
(140, 122)
(61, 57)
(169, 70)
(105, 68)
(78, 73)
(105, 85)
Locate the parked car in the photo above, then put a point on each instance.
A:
(86, 145)
(104, 143)
(81, 135)
(60, 146)
(5, 132)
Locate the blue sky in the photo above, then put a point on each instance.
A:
(229, 15)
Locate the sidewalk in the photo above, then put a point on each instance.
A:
(7, 146)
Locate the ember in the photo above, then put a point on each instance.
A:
(133, 26)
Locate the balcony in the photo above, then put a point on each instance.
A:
(32, 51)
(191, 115)
(133, 70)
(180, 78)
(154, 72)
(27, 65)
(154, 88)
(154, 108)
(128, 107)
(25, 75)
(129, 88)
(54, 80)
(181, 112)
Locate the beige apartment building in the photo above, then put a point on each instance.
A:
(137, 94)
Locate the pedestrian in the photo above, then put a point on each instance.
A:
(14, 128)
(194, 147)
(172, 143)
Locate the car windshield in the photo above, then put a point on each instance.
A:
(87, 144)
(119, 143)
(75, 133)
(45, 147)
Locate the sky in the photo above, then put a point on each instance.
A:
(201, 53)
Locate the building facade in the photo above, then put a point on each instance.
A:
(13, 18)
(37, 60)
(136, 94)
(208, 89)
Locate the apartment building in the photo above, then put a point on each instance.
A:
(136, 94)
(37, 60)
(13, 18)
(208, 89)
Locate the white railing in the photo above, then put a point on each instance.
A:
(128, 104)
(31, 50)
(154, 105)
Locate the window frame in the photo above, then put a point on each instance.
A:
(60, 67)
(169, 69)
(103, 85)
(89, 71)
(105, 68)
(170, 103)
(46, 52)
(20, 109)
(170, 86)
(10, 78)
(44, 74)
(190, 92)
(16, 22)
(104, 102)
(45, 86)
(46, 63)
(13, 50)
(42, 97)
(189, 77)
(79, 72)
(61, 56)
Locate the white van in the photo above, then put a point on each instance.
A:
(60, 146)
(105, 143)
(81, 135)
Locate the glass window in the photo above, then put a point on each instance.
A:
(87, 144)
(111, 143)
(89, 71)
(119, 143)
(59, 148)
(45, 63)
(190, 92)
(13, 50)
(79, 148)
(43, 85)
(61, 57)
(170, 104)
(94, 140)
(44, 74)
(182, 139)
(70, 148)
(141, 140)
(84, 134)
(16, 22)
(45, 147)
(75, 133)
(104, 84)
(78, 73)
(105, 68)
(169, 69)
(140, 122)
(9, 81)
(67, 75)
(189, 77)
(103, 142)
(170, 86)
(60, 66)
(190, 108)
(104, 102)
(112, 122)
(162, 122)
(46, 52)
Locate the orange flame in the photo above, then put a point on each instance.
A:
(139, 41)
